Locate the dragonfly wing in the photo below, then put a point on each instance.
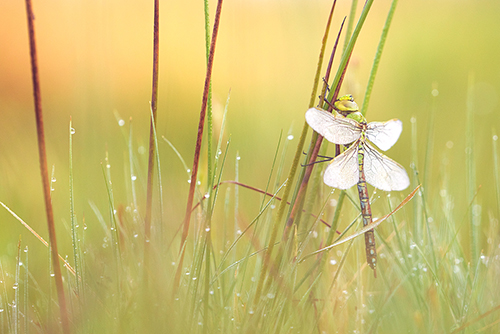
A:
(336, 129)
(384, 134)
(343, 171)
(384, 173)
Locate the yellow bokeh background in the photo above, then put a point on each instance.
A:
(95, 60)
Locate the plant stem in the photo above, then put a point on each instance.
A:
(43, 167)
(151, 160)
(196, 159)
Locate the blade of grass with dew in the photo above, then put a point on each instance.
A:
(201, 124)
(17, 305)
(210, 164)
(133, 176)
(226, 253)
(496, 170)
(26, 291)
(208, 233)
(160, 187)
(42, 240)
(470, 166)
(256, 228)
(74, 231)
(106, 171)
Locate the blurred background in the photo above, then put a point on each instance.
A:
(95, 60)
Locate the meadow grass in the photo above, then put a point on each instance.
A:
(256, 273)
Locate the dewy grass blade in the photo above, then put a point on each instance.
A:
(74, 231)
(470, 166)
(13, 214)
(194, 172)
(496, 169)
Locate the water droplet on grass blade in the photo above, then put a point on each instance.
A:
(72, 131)
(290, 137)
(121, 122)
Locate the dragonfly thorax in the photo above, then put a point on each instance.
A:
(358, 117)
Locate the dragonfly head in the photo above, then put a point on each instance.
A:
(345, 105)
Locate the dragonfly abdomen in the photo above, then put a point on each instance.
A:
(366, 212)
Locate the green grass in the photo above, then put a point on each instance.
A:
(438, 262)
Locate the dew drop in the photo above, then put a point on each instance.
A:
(238, 157)
(290, 137)
(495, 137)
(333, 262)
(133, 177)
(121, 122)
(207, 229)
(449, 144)
(15, 286)
(53, 180)
(72, 131)
(435, 92)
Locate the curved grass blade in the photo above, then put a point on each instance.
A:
(365, 228)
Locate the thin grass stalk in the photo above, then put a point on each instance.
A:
(26, 291)
(43, 167)
(471, 170)
(209, 101)
(151, 158)
(17, 304)
(131, 166)
(378, 55)
(196, 159)
(496, 169)
(74, 232)
(346, 56)
(350, 23)
(429, 151)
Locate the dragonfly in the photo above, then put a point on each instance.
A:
(361, 162)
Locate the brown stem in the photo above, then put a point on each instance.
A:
(151, 160)
(307, 174)
(196, 160)
(43, 168)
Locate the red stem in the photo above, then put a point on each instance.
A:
(151, 160)
(43, 168)
(197, 151)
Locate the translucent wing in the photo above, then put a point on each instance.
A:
(385, 134)
(335, 129)
(382, 172)
(343, 171)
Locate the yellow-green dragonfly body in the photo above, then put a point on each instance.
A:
(361, 162)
